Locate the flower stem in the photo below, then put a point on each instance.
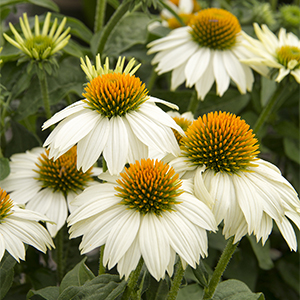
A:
(116, 17)
(220, 268)
(101, 266)
(166, 6)
(133, 278)
(179, 272)
(45, 94)
(193, 103)
(282, 92)
(99, 15)
(59, 254)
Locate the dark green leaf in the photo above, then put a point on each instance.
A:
(105, 286)
(235, 290)
(77, 276)
(131, 30)
(48, 293)
(289, 271)
(22, 140)
(268, 87)
(43, 3)
(157, 290)
(262, 253)
(6, 273)
(291, 149)
(288, 129)
(4, 168)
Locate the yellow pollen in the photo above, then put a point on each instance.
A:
(149, 187)
(215, 28)
(62, 174)
(115, 94)
(227, 145)
(6, 205)
(289, 56)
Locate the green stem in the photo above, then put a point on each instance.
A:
(220, 268)
(99, 15)
(166, 6)
(45, 94)
(59, 254)
(133, 278)
(152, 80)
(282, 91)
(193, 103)
(179, 272)
(101, 266)
(116, 17)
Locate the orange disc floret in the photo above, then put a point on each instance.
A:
(215, 28)
(149, 187)
(6, 204)
(222, 142)
(115, 94)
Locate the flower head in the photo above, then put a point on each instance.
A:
(282, 53)
(147, 212)
(43, 43)
(47, 186)
(116, 118)
(220, 153)
(19, 226)
(207, 50)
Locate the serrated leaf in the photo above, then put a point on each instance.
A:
(48, 293)
(6, 273)
(262, 253)
(291, 149)
(79, 275)
(131, 30)
(102, 287)
(235, 290)
(43, 3)
(4, 168)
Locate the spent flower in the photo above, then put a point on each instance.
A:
(117, 118)
(21, 226)
(146, 212)
(47, 186)
(220, 153)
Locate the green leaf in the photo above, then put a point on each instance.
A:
(235, 290)
(79, 275)
(131, 30)
(22, 140)
(157, 290)
(102, 287)
(201, 274)
(262, 253)
(291, 149)
(4, 168)
(190, 292)
(6, 273)
(48, 293)
(287, 129)
(289, 271)
(70, 79)
(43, 3)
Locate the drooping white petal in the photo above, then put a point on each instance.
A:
(220, 73)
(154, 245)
(288, 233)
(178, 77)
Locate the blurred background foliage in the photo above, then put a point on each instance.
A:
(272, 269)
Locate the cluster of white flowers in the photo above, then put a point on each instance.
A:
(146, 207)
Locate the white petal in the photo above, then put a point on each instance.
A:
(116, 149)
(196, 66)
(154, 245)
(178, 77)
(222, 78)
(288, 233)
(90, 147)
